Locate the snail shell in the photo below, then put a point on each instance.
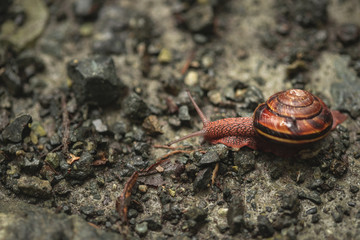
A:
(294, 116)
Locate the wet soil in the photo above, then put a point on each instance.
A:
(91, 92)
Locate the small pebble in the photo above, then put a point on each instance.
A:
(99, 125)
(165, 56)
(223, 212)
(354, 189)
(348, 33)
(151, 125)
(311, 211)
(192, 78)
(315, 218)
(172, 192)
(214, 97)
(143, 188)
(141, 228)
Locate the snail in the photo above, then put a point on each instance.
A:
(286, 123)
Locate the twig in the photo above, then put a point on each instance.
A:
(122, 202)
(188, 62)
(214, 173)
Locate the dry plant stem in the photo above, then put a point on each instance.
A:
(164, 146)
(214, 173)
(174, 153)
(188, 62)
(66, 125)
(169, 147)
(122, 202)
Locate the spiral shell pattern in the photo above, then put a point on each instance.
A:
(294, 116)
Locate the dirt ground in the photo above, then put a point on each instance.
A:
(92, 91)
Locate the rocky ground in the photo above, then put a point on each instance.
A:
(90, 88)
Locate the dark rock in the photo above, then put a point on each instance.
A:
(235, 216)
(17, 129)
(89, 211)
(348, 33)
(137, 162)
(354, 189)
(135, 108)
(110, 27)
(29, 63)
(119, 128)
(32, 164)
(312, 211)
(55, 140)
(339, 167)
(290, 203)
(4, 6)
(154, 222)
(52, 41)
(34, 186)
(221, 150)
(195, 213)
(82, 168)
(87, 9)
(316, 184)
(94, 80)
(312, 196)
(132, 213)
(12, 81)
(315, 218)
(117, 25)
(202, 180)
(191, 170)
(283, 221)
(80, 134)
(208, 158)
(195, 218)
(184, 115)
(171, 212)
(275, 172)
(338, 214)
(265, 228)
(199, 18)
(346, 93)
(20, 221)
(245, 160)
(303, 12)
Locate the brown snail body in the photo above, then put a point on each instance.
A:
(287, 122)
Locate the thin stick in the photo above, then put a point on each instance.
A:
(188, 62)
(122, 202)
(214, 173)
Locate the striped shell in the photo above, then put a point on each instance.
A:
(294, 116)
